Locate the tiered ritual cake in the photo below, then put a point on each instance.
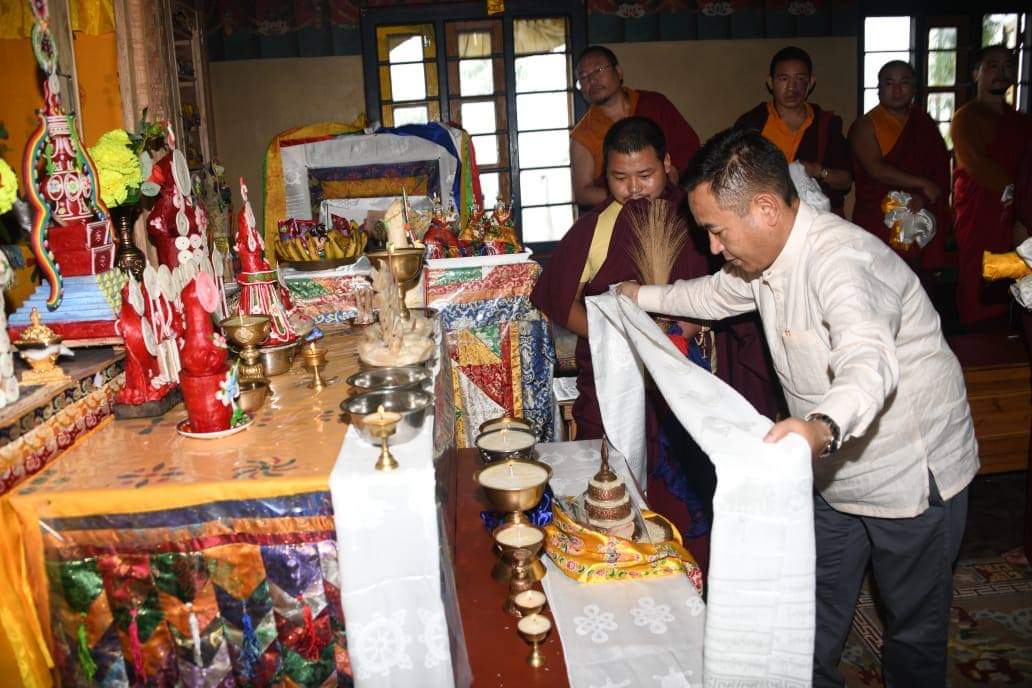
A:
(607, 502)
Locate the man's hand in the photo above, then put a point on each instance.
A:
(629, 289)
(816, 433)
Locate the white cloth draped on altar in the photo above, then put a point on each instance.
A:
(400, 611)
(631, 633)
(760, 614)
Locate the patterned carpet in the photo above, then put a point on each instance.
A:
(991, 620)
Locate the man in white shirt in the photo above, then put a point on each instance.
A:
(871, 385)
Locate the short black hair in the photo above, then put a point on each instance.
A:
(897, 63)
(633, 134)
(738, 164)
(791, 53)
(995, 47)
(598, 50)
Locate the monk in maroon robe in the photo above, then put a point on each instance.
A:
(600, 81)
(587, 261)
(897, 147)
(800, 129)
(989, 140)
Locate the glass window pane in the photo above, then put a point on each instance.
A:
(408, 82)
(1000, 29)
(405, 48)
(486, 149)
(479, 118)
(945, 37)
(542, 73)
(944, 129)
(543, 187)
(474, 43)
(940, 106)
(544, 148)
(887, 33)
(942, 68)
(476, 78)
(546, 224)
(875, 61)
(546, 35)
(870, 98)
(410, 115)
(489, 185)
(542, 111)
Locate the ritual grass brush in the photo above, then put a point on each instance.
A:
(659, 235)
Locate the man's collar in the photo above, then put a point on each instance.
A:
(786, 260)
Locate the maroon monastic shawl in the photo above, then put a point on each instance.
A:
(919, 151)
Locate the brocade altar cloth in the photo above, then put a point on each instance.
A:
(117, 558)
(499, 344)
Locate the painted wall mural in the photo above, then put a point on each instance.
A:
(254, 29)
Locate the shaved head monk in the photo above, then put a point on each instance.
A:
(989, 140)
(594, 254)
(897, 147)
(802, 130)
(600, 82)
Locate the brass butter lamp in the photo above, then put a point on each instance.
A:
(405, 264)
(247, 332)
(534, 629)
(382, 425)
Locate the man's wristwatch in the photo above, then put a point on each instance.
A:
(836, 435)
(824, 173)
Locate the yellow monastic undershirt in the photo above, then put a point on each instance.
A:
(600, 241)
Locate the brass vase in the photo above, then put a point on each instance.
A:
(127, 255)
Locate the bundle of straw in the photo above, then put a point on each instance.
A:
(659, 235)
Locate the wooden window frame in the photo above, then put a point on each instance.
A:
(440, 15)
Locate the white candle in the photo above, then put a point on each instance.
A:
(534, 624)
(519, 536)
(513, 475)
(506, 439)
(500, 423)
(529, 599)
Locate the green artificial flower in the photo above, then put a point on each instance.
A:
(8, 186)
(119, 168)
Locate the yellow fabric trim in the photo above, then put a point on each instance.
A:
(600, 241)
(275, 208)
(91, 17)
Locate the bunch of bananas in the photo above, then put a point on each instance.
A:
(330, 246)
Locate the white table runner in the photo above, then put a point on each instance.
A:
(399, 605)
(631, 633)
(761, 610)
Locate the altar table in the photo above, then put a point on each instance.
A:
(141, 551)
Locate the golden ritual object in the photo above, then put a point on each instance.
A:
(514, 486)
(508, 538)
(405, 264)
(314, 359)
(534, 629)
(39, 346)
(247, 332)
(521, 580)
(382, 425)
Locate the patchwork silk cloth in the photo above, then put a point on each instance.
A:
(143, 557)
(500, 347)
(760, 605)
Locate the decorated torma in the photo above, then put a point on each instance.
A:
(260, 291)
(71, 231)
